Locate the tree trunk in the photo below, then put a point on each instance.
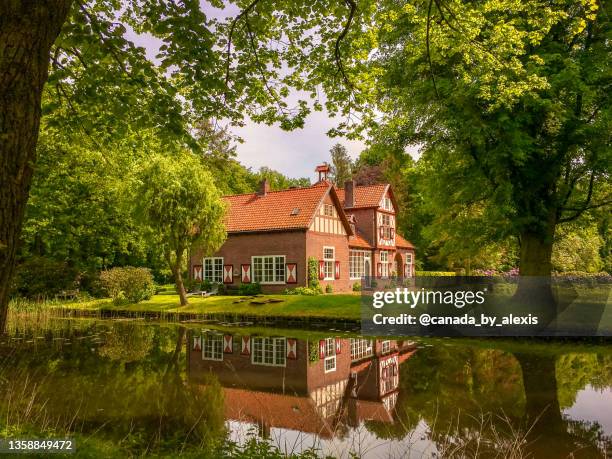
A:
(176, 268)
(28, 29)
(534, 292)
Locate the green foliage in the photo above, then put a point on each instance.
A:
(313, 351)
(177, 201)
(342, 165)
(254, 288)
(313, 272)
(42, 277)
(308, 291)
(128, 284)
(329, 288)
(578, 248)
(357, 287)
(435, 273)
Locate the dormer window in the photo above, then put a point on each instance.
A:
(295, 211)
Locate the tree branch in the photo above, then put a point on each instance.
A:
(352, 7)
(427, 45)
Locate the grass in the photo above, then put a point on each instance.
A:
(294, 306)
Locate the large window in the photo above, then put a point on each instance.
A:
(329, 258)
(361, 348)
(357, 259)
(386, 226)
(330, 355)
(213, 269)
(269, 269)
(384, 263)
(269, 351)
(212, 347)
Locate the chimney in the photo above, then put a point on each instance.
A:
(349, 194)
(323, 170)
(264, 187)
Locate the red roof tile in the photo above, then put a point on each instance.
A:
(358, 241)
(402, 243)
(365, 196)
(277, 210)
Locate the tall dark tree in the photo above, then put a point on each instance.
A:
(341, 165)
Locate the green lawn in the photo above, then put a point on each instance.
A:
(327, 306)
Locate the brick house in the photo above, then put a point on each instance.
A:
(272, 234)
(305, 385)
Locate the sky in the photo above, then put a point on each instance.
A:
(294, 154)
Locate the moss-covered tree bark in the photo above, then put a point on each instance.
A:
(28, 29)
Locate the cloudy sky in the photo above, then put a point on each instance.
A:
(295, 153)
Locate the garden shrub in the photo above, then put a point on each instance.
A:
(435, 273)
(313, 351)
(304, 291)
(329, 288)
(41, 277)
(313, 272)
(128, 284)
(356, 287)
(249, 289)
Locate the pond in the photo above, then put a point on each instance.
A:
(129, 388)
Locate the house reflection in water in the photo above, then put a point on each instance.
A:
(321, 387)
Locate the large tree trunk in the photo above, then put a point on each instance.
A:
(28, 29)
(534, 292)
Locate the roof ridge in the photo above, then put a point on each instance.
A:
(316, 185)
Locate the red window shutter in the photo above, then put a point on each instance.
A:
(379, 269)
(322, 349)
(321, 269)
(338, 346)
(337, 271)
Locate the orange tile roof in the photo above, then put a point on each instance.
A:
(250, 212)
(359, 241)
(277, 410)
(366, 195)
(402, 243)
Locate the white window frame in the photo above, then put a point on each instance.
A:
(386, 225)
(385, 346)
(331, 262)
(385, 271)
(279, 345)
(213, 261)
(361, 349)
(387, 204)
(330, 355)
(329, 207)
(357, 259)
(409, 262)
(215, 350)
(332, 364)
(276, 265)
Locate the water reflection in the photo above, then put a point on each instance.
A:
(140, 388)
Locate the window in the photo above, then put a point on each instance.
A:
(408, 269)
(269, 269)
(360, 348)
(386, 225)
(328, 262)
(330, 355)
(328, 210)
(387, 205)
(212, 347)
(384, 263)
(357, 259)
(386, 347)
(213, 269)
(269, 351)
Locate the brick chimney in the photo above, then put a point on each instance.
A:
(349, 193)
(323, 170)
(264, 188)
